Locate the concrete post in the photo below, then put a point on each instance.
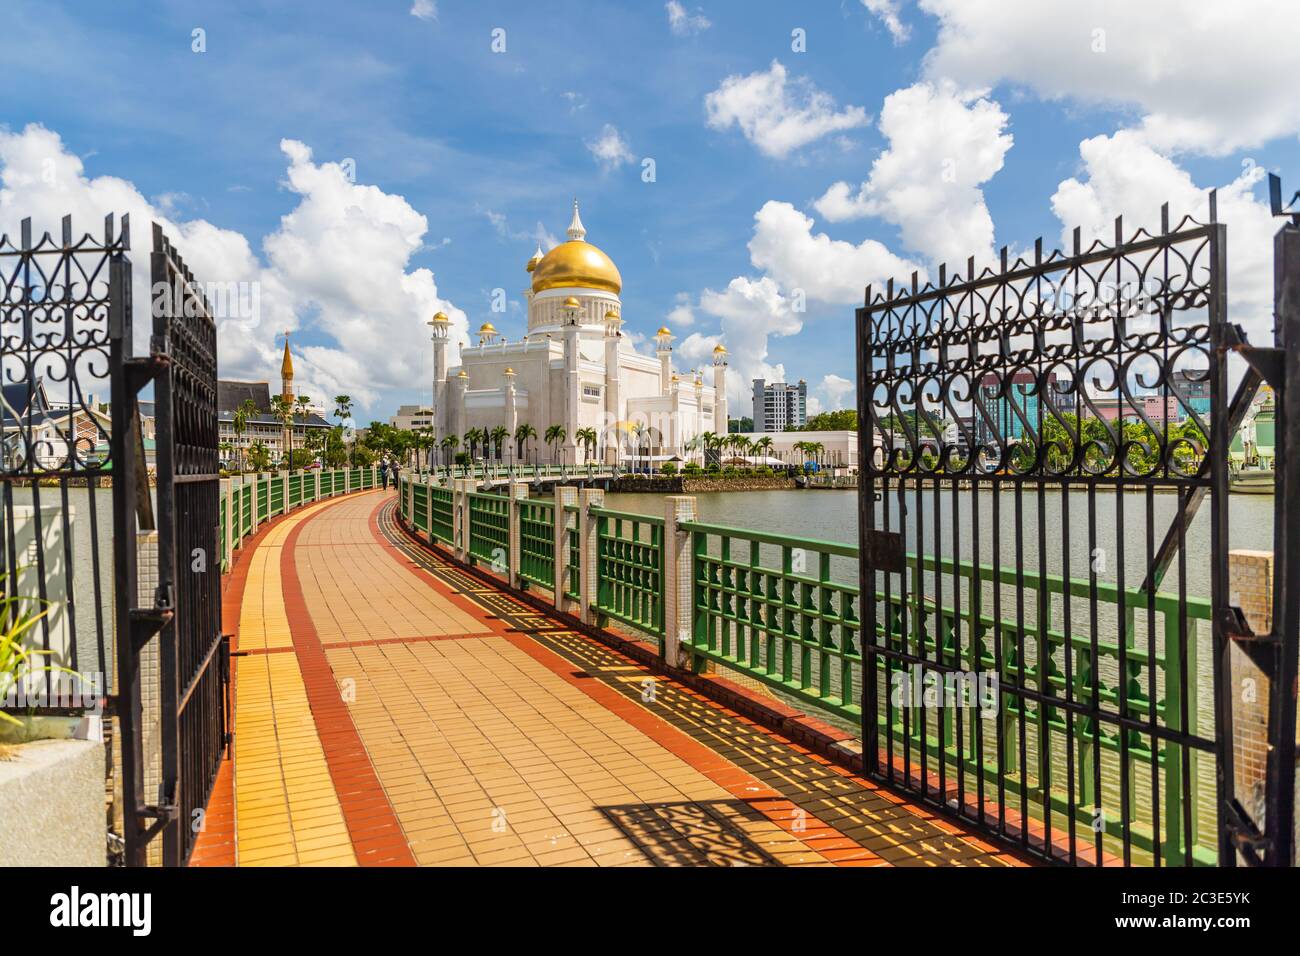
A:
(516, 491)
(564, 495)
(428, 504)
(461, 489)
(229, 543)
(588, 553)
(253, 504)
(284, 494)
(410, 500)
(316, 472)
(679, 604)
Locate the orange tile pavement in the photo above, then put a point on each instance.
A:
(383, 717)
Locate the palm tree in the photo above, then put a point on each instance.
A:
(522, 434)
(763, 446)
(282, 409)
(343, 411)
(448, 446)
(258, 456)
(555, 435)
(588, 438)
(471, 443)
(246, 410)
(499, 436)
(225, 447)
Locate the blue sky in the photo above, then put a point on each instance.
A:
(490, 147)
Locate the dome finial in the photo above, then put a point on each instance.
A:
(576, 231)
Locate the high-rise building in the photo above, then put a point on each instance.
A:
(779, 407)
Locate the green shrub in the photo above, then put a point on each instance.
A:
(669, 468)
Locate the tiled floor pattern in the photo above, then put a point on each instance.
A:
(386, 691)
(286, 808)
(858, 813)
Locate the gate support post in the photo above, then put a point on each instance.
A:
(679, 605)
(460, 518)
(588, 553)
(253, 504)
(564, 496)
(284, 495)
(517, 490)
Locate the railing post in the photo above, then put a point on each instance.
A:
(252, 505)
(284, 495)
(460, 491)
(517, 490)
(227, 492)
(316, 473)
(428, 505)
(563, 496)
(588, 552)
(410, 496)
(679, 605)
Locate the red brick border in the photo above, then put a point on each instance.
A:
(377, 836)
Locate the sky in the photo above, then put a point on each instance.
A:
(751, 167)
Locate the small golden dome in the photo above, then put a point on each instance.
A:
(576, 263)
(613, 315)
(664, 330)
(487, 328)
(510, 371)
(572, 303)
(462, 374)
(720, 349)
(440, 318)
(536, 258)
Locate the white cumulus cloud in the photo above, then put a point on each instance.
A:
(778, 114)
(886, 11)
(610, 148)
(1208, 77)
(943, 146)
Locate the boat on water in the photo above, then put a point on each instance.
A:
(1250, 456)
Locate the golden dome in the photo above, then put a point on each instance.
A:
(572, 303)
(462, 374)
(536, 258)
(440, 318)
(576, 263)
(510, 371)
(664, 330)
(612, 315)
(720, 349)
(487, 329)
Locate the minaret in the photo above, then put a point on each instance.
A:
(720, 389)
(572, 382)
(441, 330)
(286, 394)
(664, 349)
(613, 387)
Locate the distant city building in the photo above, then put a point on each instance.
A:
(410, 417)
(779, 407)
(263, 427)
(1195, 384)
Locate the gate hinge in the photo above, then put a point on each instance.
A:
(146, 622)
(1265, 360)
(1257, 647)
(140, 370)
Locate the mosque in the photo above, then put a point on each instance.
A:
(576, 369)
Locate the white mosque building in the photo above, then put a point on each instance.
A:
(576, 369)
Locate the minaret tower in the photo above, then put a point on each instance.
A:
(720, 389)
(664, 350)
(441, 330)
(286, 395)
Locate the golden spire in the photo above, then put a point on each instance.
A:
(286, 371)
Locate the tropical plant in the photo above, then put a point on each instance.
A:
(259, 456)
(335, 451)
(639, 431)
(282, 409)
(343, 408)
(17, 662)
(587, 436)
(523, 434)
(449, 445)
(555, 436)
(247, 409)
(500, 435)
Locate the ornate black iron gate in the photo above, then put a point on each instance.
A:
(1046, 627)
(184, 611)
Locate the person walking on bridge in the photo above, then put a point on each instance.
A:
(383, 472)
(394, 468)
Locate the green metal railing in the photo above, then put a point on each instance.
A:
(442, 528)
(489, 528)
(573, 584)
(537, 541)
(630, 569)
(770, 607)
(268, 495)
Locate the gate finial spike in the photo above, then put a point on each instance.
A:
(67, 231)
(1164, 218)
(1214, 205)
(1119, 230)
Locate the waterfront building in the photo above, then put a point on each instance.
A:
(575, 369)
(778, 406)
(839, 448)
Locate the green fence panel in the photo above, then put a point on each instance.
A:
(537, 541)
(420, 501)
(263, 497)
(276, 483)
(573, 586)
(630, 569)
(489, 528)
(441, 526)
